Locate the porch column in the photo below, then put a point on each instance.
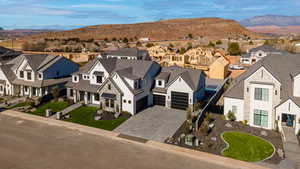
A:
(75, 95)
(22, 90)
(85, 98)
(30, 92)
(40, 92)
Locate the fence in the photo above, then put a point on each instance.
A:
(213, 100)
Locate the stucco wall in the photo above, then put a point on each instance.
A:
(239, 103)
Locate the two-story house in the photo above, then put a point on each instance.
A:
(127, 53)
(114, 84)
(177, 87)
(35, 75)
(255, 54)
(268, 94)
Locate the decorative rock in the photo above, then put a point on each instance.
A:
(280, 153)
(196, 142)
(264, 133)
(189, 140)
(212, 125)
(58, 115)
(117, 115)
(98, 118)
(214, 138)
(228, 125)
(100, 112)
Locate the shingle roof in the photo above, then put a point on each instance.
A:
(190, 76)
(135, 52)
(8, 72)
(36, 62)
(265, 48)
(281, 66)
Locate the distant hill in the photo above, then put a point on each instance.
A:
(211, 28)
(1, 29)
(273, 24)
(274, 20)
(17, 33)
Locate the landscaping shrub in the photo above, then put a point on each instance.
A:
(231, 116)
(223, 117)
(209, 118)
(298, 134)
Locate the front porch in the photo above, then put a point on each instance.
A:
(31, 91)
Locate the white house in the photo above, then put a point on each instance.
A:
(179, 88)
(268, 94)
(115, 84)
(255, 54)
(35, 75)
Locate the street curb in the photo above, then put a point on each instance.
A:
(203, 156)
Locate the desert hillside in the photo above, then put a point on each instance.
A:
(211, 28)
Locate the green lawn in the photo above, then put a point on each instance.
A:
(54, 106)
(85, 116)
(23, 104)
(246, 147)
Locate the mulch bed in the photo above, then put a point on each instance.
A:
(110, 116)
(216, 146)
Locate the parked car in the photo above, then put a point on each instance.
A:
(236, 67)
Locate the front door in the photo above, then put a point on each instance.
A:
(288, 120)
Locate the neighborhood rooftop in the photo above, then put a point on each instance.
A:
(282, 66)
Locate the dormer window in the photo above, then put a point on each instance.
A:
(21, 74)
(86, 77)
(99, 79)
(75, 78)
(40, 76)
(159, 83)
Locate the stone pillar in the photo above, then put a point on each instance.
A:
(30, 92)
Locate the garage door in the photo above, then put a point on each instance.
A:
(179, 100)
(159, 100)
(141, 104)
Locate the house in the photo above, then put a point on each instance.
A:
(219, 69)
(177, 87)
(114, 84)
(34, 75)
(8, 54)
(127, 53)
(268, 94)
(255, 54)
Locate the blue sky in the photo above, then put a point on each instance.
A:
(66, 14)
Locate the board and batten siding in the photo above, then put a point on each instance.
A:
(264, 79)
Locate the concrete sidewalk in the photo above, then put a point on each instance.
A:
(291, 148)
(152, 152)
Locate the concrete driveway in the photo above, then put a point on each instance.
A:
(155, 123)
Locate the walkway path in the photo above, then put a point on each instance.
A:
(291, 148)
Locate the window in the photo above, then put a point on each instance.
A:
(29, 75)
(40, 76)
(1, 88)
(260, 118)
(75, 78)
(234, 109)
(107, 102)
(129, 101)
(21, 74)
(136, 84)
(261, 94)
(159, 83)
(98, 79)
(109, 87)
(97, 97)
(71, 92)
(112, 103)
(124, 101)
(57, 73)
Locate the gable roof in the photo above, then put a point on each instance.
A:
(281, 66)
(8, 72)
(190, 76)
(36, 62)
(265, 48)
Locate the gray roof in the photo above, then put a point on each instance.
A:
(83, 85)
(265, 48)
(5, 52)
(8, 72)
(36, 62)
(282, 66)
(190, 76)
(135, 52)
(247, 55)
(41, 83)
